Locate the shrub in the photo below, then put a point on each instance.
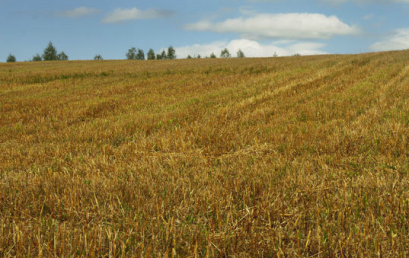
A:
(37, 58)
(11, 59)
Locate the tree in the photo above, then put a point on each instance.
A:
(11, 59)
(225, 53)
(171, 53)
(163, 55)
(240, 54)
(140, 55)
(189, 57)
(212, 55)
(50, 53)
(98, 57)
(151, 54)
(62, 56)
(37, 58)
(131, 54)
(199, 56)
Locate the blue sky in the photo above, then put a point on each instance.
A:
(83, 29)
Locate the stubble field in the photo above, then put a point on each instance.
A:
(267, 157)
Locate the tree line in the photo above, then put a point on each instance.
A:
(50, 54)
(139, 54)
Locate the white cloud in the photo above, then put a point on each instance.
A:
(122, 15)
(283, 26)
(250, 48)
(399, 40)
(78, 12)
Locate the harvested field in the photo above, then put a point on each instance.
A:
(264, 157)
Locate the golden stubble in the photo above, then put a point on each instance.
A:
(268, 157)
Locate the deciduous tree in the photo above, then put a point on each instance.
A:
(240, 54)
(131, 54)
(62, 56)
(140, 55)
(163, 55)
(37, 58)
(225, 53)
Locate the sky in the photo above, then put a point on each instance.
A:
(260, 28)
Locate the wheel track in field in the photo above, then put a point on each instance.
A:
(381, 95)
(282, 87)
(250, 150)
(343, 65)
(319, 84)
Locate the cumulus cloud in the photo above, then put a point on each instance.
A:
(399, 40)
(284, 26)
(78, 12)
(122, 15)
(251, 48)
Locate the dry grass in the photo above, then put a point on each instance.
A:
(279, 157)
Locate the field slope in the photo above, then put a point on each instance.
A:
(268, 157)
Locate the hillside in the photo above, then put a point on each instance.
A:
(267, 157)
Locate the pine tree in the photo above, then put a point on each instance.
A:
(50, 53)
(171, 53)
(151, 54)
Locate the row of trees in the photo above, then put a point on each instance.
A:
(225, 53)
(139, 54)
(50, 54)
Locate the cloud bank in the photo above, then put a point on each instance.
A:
(251, 49)
(284, 26)
(399, 40)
